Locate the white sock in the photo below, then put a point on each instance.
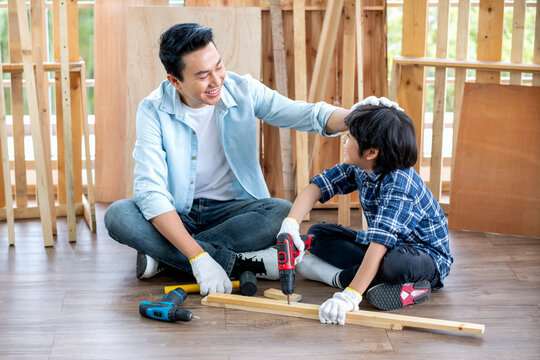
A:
(313, 268)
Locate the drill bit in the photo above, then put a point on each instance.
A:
(288, 299)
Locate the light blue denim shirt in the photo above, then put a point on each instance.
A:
(166, 149)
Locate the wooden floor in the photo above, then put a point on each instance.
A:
(80, 301)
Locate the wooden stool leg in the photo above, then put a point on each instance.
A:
(5, 166)
(66, 112)
(88, 203)
(31, 94)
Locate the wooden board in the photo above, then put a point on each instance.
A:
(237, 36)
(410, 94)
(490, 32)
(495, 180)
(358, 317)
(110, 23)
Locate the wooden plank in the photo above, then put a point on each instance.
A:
(467, 64)
(280, 74)
(47, 66)
(439, 100)
(324, 150)
(37, 12)
(373, 41)
(495, 188)
(31, 94)
(277, 294)
(237, 35)
(17, 108)
(89, 203)
(462, 43)
(5, 176)
(66, 111)
(110, 96)
(412, 82)
(300, 88)
(347, 93)
(357, 317)
(33, 212)
(490, 31)
(518, 31)
(536, 53)
(326, 47)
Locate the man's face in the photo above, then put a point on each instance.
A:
(203, 77)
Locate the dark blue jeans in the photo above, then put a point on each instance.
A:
(222, 228)
(336, 245)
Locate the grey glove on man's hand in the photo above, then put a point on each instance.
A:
(333, 310)
(210, 275)
(375, 101)
(290, 226)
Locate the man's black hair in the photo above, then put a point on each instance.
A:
(179, 40)
(390, 131)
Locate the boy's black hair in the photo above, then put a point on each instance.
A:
(390, 131)
(181, 39)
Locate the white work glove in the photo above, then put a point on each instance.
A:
(373, 100)
(290, 226)
(333, 310)
(210, 275)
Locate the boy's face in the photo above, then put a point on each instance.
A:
(352, 156)
(203, 77)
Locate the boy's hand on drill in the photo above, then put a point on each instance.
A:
(210, 275)
(373, 100)
(290, 226)
(333, 310)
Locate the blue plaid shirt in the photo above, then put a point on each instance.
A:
(399, 208)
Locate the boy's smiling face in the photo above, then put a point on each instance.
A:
(352, 155)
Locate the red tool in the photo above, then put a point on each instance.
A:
(287, 254)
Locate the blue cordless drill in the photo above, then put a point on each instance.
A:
(167, 308)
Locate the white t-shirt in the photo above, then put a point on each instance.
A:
(214, 175)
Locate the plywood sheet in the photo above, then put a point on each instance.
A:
(237, 37)
(495, 186)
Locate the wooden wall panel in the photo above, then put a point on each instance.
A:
(110, 24)
(237, 36)
(495, 180)
(374, 48)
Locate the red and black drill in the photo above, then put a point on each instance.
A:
(287, 254)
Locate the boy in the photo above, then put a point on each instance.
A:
(405, 251)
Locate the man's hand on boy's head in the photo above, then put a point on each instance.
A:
(373, 100)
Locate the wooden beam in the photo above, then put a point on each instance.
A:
(357, 317)
(31, 93)
(490, 32)
(439, 100)
(67, 123)
(32, 212)
(5, 176)
(536, 53)
(412, 82)
(467, 64)
(350, 23)
(518, 31)
(280, 75)
(51, 66)
(300, 89)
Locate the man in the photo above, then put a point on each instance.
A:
(200, 203)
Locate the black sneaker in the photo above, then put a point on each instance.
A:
(147, 266)
(263, 263)
(395, 296)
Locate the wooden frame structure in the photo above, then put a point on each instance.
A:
(408, 80)
(71, 98)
